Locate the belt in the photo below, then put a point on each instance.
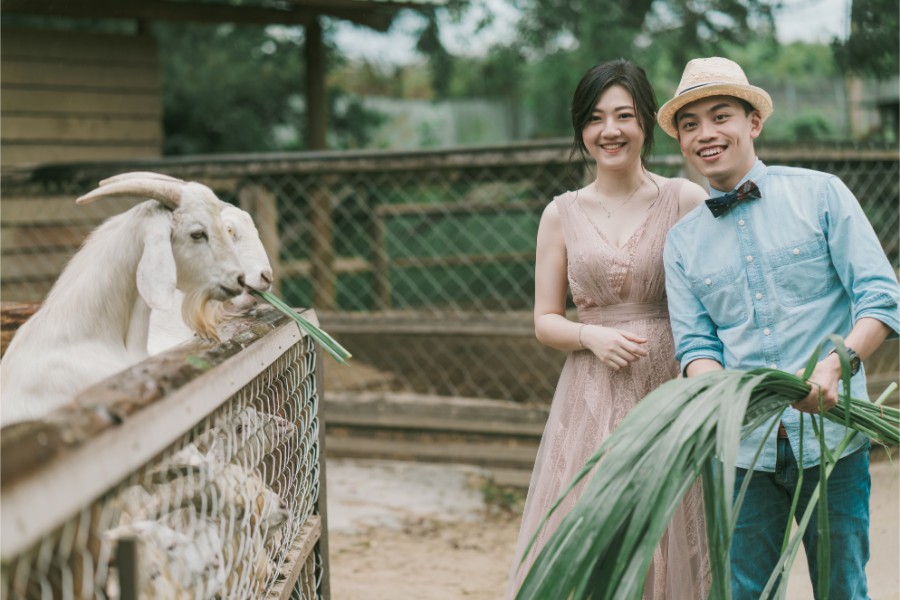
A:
(628, 311)
(782, 432)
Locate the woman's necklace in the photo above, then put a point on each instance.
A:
(609, 213)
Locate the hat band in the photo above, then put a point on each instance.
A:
(700, 85)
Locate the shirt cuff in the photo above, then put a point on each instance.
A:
(692, 355)
(888, 316)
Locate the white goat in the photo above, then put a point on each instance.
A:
(167, 327)
(95, 321)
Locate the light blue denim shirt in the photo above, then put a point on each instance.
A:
(770, 280)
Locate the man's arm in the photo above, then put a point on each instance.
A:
(864, 338)
(859, 259)
(696, 344)
(869, 279)
(702, 365)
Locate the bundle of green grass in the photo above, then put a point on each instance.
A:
(688, 428)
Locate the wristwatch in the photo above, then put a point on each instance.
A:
(855, 361)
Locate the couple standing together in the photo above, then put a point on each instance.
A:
(663, 285)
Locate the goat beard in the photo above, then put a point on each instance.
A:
(203, 314)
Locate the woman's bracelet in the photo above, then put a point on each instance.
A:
(580, 343)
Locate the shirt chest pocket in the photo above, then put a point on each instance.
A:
(722, 296)
(802, 272)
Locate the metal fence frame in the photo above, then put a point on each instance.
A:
(59, 472)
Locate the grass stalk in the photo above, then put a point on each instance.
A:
(328, 343)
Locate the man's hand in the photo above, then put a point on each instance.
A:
(824, 378)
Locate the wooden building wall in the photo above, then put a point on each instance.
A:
(78, 96)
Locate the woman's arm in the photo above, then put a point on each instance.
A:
(550, 285)
(614, 347)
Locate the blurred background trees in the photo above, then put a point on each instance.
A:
(240, 88)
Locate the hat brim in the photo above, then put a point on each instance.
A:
(757, 97)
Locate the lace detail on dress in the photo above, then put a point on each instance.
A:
(591, 400)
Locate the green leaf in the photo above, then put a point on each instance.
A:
(328, 343)
(688, 428)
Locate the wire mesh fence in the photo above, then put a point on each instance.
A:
(422, 263)
(160, 506)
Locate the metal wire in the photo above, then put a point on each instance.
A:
(216, 515)
(396, 249)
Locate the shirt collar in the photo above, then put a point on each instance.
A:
(757, 173)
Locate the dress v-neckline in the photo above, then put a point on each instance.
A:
(634, 234)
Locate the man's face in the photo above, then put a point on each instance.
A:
(716, 136)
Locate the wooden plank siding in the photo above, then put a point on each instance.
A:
(40, 235)
(77, 96)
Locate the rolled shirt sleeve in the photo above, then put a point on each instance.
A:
(857, 256)
(692, 327)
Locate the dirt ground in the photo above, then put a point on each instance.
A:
(412, 531)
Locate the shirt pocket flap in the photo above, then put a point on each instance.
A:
(722, 296)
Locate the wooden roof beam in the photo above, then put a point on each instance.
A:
(160, 10)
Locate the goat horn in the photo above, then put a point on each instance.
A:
(140, 175)
(167, 192)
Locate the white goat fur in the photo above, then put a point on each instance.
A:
(167, 327)
(95, 320)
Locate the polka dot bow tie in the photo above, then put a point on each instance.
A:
(721, 205)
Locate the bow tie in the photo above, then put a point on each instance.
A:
(721, 205)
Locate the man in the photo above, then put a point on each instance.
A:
(761, 282)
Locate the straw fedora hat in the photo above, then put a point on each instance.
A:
(715, 76)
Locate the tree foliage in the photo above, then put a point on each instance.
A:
(241, 89)
(225, 87)
(557, 40)
(873, 47)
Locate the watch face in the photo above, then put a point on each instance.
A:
(854, 361)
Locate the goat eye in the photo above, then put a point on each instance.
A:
(198, 235)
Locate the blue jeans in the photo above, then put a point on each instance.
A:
(761, 524)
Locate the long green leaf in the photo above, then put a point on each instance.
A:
(328, 343)
(687, 428)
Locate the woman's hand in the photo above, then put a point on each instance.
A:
(614, 347)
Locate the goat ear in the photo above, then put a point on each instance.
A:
(163, 190)
(157, 275)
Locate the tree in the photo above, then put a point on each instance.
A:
(225, 88)
(563, 38)
(873, 47)
(242, 91)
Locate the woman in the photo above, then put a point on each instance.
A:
(605, 243)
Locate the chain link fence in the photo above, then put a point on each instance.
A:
(422, 264)
(124, 494)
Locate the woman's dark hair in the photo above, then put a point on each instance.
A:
(595, 82)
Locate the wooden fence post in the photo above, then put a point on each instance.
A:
(381, 285)
(322, 275)
(261, 204)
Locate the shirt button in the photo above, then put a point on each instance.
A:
(749, 258)
(766, 331)
(708, 282)
(759, 296)
(796, 251)
(741, 222)
(774, 365)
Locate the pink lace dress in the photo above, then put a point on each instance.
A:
(622, 287)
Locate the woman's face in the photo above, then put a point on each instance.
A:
(613, 135)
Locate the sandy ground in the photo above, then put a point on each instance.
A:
(413, 531)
